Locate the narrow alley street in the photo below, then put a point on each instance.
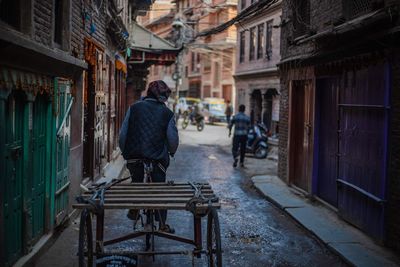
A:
(90, 88)
(254, 232)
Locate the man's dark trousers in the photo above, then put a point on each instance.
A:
(228, 119)
(137, 172)
(239, 141)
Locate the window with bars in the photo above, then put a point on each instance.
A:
(355, 8)
(260, 41)
(301, 16)
(268, 50)
(252, 43)
(242, 46)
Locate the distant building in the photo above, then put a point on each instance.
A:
(209, 62)
(339, 109)
(256, 75)
(206, 65)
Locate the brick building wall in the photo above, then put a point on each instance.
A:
(393, 218)
(323, 14)
(283, 127)
(43, 23)
(43, 16)
(76, 29)
(97, 18)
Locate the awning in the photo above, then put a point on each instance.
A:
(147, 47)
(26, 81)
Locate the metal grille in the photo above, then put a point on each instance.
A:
(354, 8)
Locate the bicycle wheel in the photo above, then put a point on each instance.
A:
(214, 240)
(85, 246)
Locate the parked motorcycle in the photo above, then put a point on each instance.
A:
(257, 141)
(198, 121)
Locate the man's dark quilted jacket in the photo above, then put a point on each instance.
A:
(147, 131)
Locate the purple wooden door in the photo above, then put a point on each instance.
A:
(363, 116)
(326, 143)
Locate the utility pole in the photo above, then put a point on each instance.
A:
(176, 76)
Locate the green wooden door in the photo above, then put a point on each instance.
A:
(13, 177)
(40, 166)
(64, 103)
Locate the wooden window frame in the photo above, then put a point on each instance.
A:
(260, 40)
(242, 44)
(268, 39)
(252, 43)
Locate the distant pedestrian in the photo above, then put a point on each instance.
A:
(242, 126)
(228, 111)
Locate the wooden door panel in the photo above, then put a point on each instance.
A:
(63, 123)
(13, 178)
(40, 165)
(300, 134)
(363, 111)
(326, 148)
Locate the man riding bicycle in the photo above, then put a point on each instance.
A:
(149, 134)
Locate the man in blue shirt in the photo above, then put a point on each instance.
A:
(242, 126)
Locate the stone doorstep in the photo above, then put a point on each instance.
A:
(112, 170)
(355, 247)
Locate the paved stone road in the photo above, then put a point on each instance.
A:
(254, 232)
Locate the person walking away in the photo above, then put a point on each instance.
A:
(242, 125)
(228, 111)
(149, 132)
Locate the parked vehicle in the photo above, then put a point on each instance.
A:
(185, 102)
(214, 110)
(197, 120)
(257, 141)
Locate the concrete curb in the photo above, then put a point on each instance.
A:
(349, 243)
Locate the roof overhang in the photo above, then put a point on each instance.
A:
(150, 48)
